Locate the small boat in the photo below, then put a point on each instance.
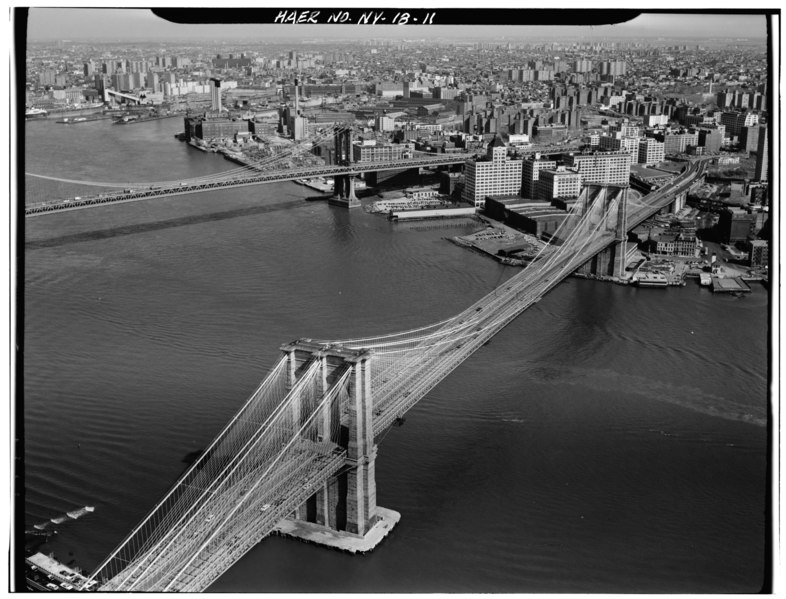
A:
(34, 113)
(80, 512)
(651, 279)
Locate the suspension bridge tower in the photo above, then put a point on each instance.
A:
(610, 201)
(344, 186)
(343, 513)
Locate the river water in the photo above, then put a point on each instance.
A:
(610, 439)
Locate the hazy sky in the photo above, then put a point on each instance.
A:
(141, 24)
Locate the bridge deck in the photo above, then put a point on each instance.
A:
(225, 522)
(252, 178)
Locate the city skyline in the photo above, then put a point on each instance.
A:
(48, 24)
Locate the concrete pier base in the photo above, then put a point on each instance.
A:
(344, 202)
(339, 539)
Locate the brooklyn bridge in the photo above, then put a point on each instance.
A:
(302, 448)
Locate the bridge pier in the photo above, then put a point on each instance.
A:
(344, 192)
(613, 209)
(343, 186)
(343, 513)
(608, 263)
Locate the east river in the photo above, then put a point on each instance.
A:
(610, 439)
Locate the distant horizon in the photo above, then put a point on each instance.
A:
(133, 25)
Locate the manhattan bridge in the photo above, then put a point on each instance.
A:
(324, 406)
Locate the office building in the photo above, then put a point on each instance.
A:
(677, 143)
(651, 151)
(558, 183)
(735, 224)
(496, 175)
(711, 139)
(531, 173)
(619, 143)
(604, 168)
(298, 128)
(384, 123)
(371, 151)
(215, 94)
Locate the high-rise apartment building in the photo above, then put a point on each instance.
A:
(735, 121)
(582, 66)
(749, 138)
(613, 67)
(762, 156)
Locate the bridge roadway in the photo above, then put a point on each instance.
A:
(295, 478)
(198, 549)
(183, 188)
(406, 380)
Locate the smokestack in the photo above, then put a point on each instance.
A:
(297, 98)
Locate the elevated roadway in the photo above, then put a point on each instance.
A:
(250, 177)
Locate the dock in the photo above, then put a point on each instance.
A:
(426, 214)
(731, 285)
(45, 573)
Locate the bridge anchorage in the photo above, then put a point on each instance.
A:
(343, 512)
(344, 186)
